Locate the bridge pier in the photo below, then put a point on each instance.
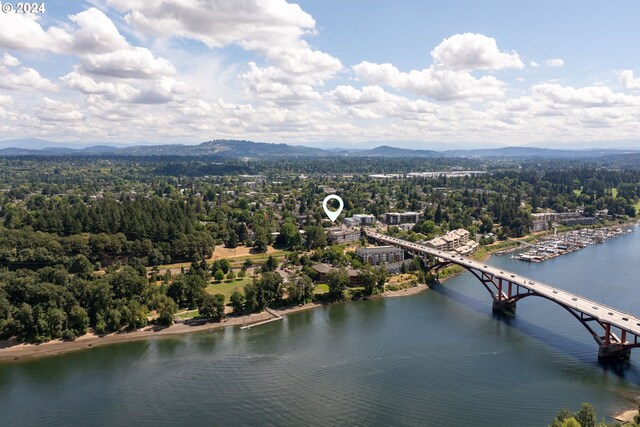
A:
(613, 353)
(504, 306)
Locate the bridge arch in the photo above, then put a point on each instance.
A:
(610, 345)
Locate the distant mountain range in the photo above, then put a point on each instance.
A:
(249, 149)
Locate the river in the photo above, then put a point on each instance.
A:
(439, 358)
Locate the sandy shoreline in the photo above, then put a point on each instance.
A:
(13, 351)
(626, 416)
(405, 292)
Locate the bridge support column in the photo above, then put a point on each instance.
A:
(613, 353)
(504, 306)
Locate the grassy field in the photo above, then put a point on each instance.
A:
(226, 288)
(236, 256)
(637, 208)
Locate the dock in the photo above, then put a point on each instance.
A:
(571, 241)
(275, 318)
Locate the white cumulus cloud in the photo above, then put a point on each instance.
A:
(469, 51)
(56, 111)
(628, 80)
(440, 84)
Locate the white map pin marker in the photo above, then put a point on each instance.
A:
(333, 215)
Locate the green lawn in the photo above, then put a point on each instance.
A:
(188, 314)
(321, 288)
(226, 288)
(577, 192)
(637, 208)
(614, 192)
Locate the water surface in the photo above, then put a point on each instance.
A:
(438, 358)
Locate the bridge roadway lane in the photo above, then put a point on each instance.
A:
(624, 321)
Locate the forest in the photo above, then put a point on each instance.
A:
(85, 242)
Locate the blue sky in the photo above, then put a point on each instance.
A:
(325, 73)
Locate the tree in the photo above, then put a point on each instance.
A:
(212, 306)
(269, 288)
(586, 416)
(289, 234)
(187, 289)
(135, 315)
(167, 311)
(81, 266)
(78, 320)
(218, 276)
(306, 284)
(270, 265)
(232, 240)
(300, 289)
(337, 280)
(261, 242)
(487, 225)
(237, 301)
(251, 302)
(231, 276)
(381, 277)
(437, 217)
(224, 265)
(316, 237)
(294, 293)
(368, 280)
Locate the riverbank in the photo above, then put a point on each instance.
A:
(626, 416)
(11, 350)
(405, 292)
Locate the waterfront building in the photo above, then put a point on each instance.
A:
(323, 271)
(540, 225)
(380, 254)
(455, 240)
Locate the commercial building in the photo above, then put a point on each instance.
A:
(397, 218)
(380, 254)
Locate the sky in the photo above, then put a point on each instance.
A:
(326, 73)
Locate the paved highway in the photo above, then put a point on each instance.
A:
(605, 314)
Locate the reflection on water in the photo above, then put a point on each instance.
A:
(437, 358)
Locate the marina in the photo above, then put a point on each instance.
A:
(570, 241)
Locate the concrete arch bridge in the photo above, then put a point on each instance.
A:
(615, 332)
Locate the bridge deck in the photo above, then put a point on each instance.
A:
(622, 320)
